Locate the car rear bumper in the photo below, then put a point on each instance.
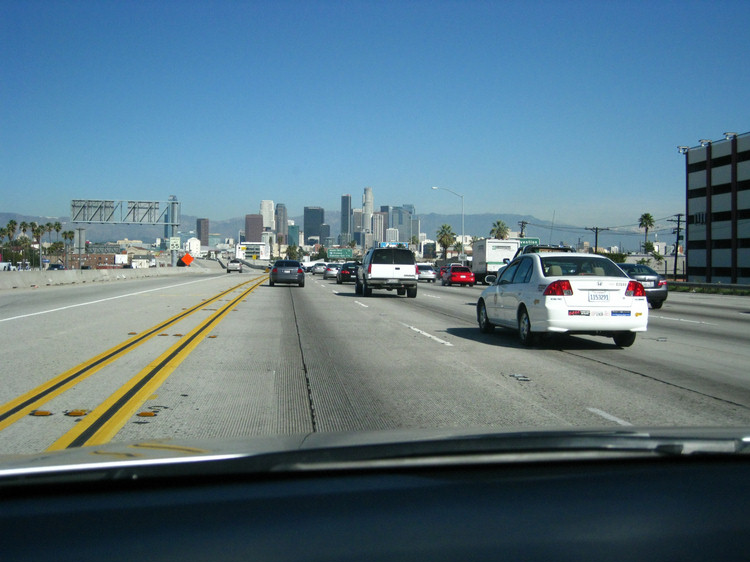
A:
(380, 283)
(287, 278)
(591, 320)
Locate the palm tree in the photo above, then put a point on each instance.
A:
(24, 226)
(646, 221)
(12, 227)
(499, 230)
(445, 238)
(37, 231)
(58, 227)
(292, 252)
(68, 236)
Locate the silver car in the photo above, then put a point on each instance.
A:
(234, 265)
(319, 268)
(427, 273)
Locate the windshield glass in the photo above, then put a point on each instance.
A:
(160, 158)
(580, 265)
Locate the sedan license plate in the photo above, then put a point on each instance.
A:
(598, 296)
(286, 271)
(392, 281)
(647, 283)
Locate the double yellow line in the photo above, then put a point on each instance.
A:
(103, 423)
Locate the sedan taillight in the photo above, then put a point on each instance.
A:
(635, 289)
(559, 288)
(300, 270)
(274, 270)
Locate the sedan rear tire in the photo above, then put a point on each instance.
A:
(624, 339)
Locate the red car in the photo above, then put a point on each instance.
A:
(458, 275)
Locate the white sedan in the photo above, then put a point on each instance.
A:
(562, 292)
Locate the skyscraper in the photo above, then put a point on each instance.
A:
(378, 227)
(201, 229)
(266, 210)
(253, 228)
(357, 225)
(293, 233)
(367, 208)
(314, 217)
(282, 224)
(346, 219)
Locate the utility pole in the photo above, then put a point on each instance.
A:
(523, 224)
(596, 230)
(676, 231)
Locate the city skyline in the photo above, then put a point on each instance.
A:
(534, 108)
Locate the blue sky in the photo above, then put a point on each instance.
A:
(566, 108)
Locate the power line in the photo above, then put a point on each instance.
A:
(596, 230)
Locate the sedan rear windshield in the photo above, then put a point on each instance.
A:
(637, 269)
(281, 263)
(580, 265)
(461, 269)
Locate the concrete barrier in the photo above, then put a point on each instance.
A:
(33, 279)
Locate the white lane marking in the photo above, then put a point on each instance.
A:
(683, 320)
(101, 300)
(363, 305)
(607, 416)
(431, 296)
(443, 342)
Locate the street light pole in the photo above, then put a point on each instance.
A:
(463, 250)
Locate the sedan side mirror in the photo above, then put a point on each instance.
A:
(490, 279)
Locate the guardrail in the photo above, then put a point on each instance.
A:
(689, 285)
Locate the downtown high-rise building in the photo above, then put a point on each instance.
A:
(253, 228)
(314, 217)
(346, 219)
(201, 231)
(378, 227)
(282, 224)
(368, 207)
(267, 212)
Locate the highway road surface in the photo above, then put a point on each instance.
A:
(216, 355)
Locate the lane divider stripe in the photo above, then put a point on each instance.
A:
(103, 423)
(24, 404)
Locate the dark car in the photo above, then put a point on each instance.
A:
(347, 273)
(655, 284)
(287, 271)
(57, 266)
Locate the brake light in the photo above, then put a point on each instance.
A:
(559, 288)
(300, 270)
(274, 270)
(635, 289)
(369, 268)
(662, 282)
(416, 270)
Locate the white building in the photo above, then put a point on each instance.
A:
(268, 212)
(193, 247)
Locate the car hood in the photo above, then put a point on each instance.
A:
(365, 450)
